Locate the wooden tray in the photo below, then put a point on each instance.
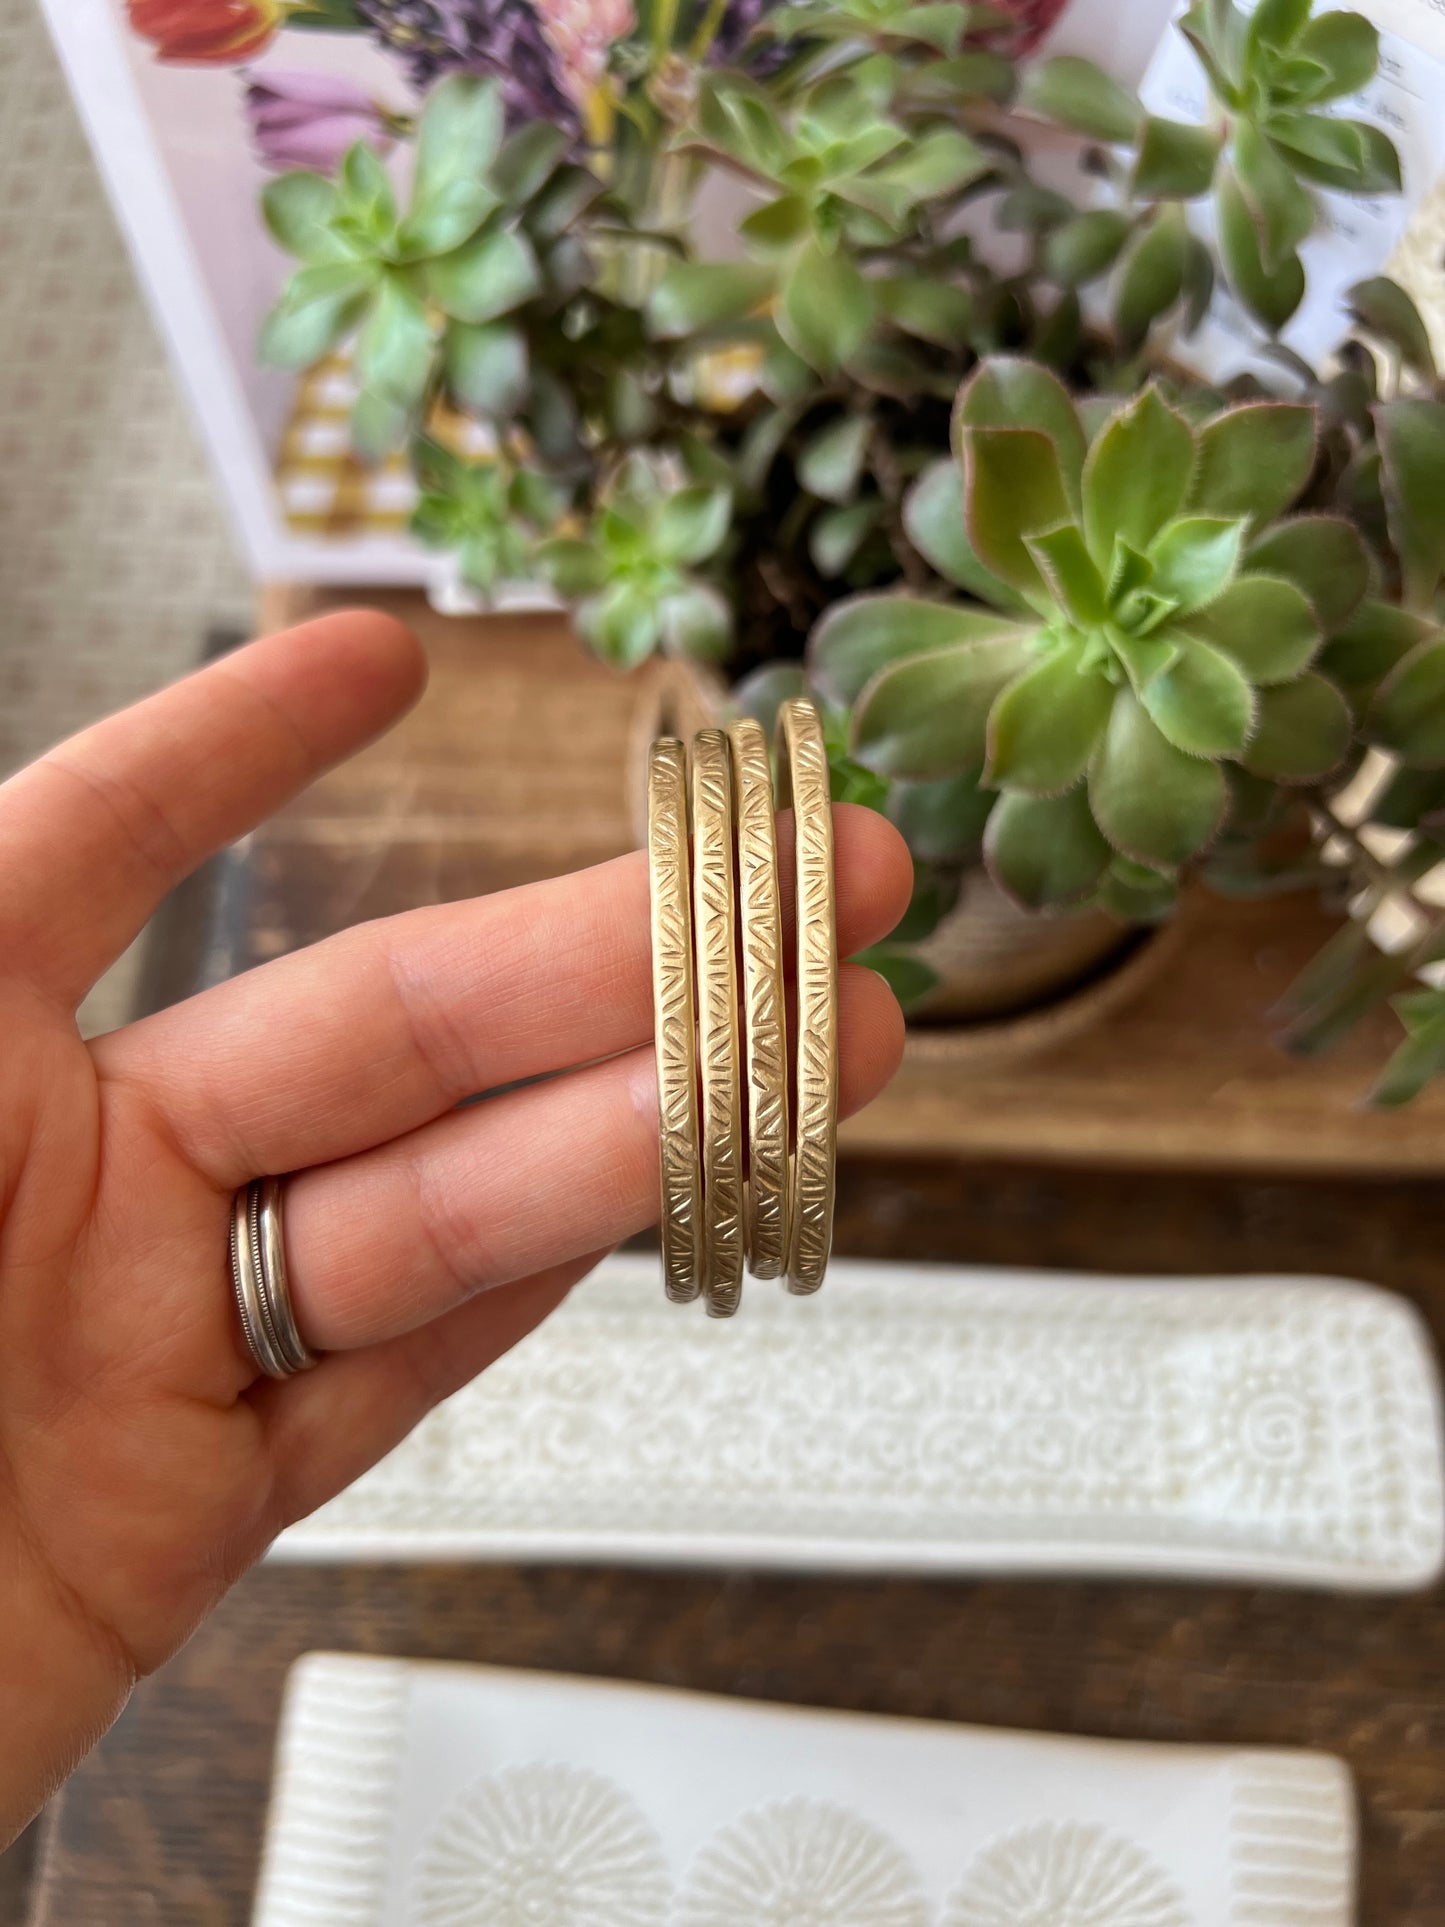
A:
(515, 766)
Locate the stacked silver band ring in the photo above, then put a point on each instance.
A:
(258, 1274)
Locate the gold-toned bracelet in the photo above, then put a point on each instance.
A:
(803, 784)
(765, 1027)
(715, 929)
(674, 1004)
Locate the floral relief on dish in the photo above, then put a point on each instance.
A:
(1066, 1875)
(802, 1863)
(543, 1846)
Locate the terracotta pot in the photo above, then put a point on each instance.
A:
(1010, 983)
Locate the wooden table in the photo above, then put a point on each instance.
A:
(164, 1823)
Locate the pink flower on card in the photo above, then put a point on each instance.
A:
(581, 34)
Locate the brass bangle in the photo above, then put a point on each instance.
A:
(763, 1001)
(715, 928)
(673, 1004)
(803, 783)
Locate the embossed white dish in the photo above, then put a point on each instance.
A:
(920, 1418)
(421, 1795)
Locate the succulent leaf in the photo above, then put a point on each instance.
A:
(1323, 555)
(691, 525)
(486, 278)
(927, 717)
(839, 533)
(943, 821)
(1372, 642)
(487, 368)
(1045, 851)
(1137, 475)
(1062, 558)
(1195, 559)
(695, 295)
(1302, 731)
(1408, 712)
(827, 309)
(1280, 22)
(858, 638)
(1265, 624)
(1352, 155)
(1175, 160)
(1134, 893)
(830, 464)
(1153, 802)
(319, 308)
(299, 209)
(1347, 47)
(1201, 702)
(1013, 488)
(1422, 1055)
(1280, 208)
(1151, 277)
(1412, 455)
(1382, 307)
(1044, 726)
(1255, 460)
(696, 622)
(934, 521)
(457, 140)
(930, 310)
(1080, 95)
(397, 346)
(1007, 391)
(1270, 294)
(1082, 249)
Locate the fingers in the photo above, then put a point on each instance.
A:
(385, 1027)
(326, 1429)
(382, 1243)
(94, 834)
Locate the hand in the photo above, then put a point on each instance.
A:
(143, 1465)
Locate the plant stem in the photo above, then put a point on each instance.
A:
(707, 30)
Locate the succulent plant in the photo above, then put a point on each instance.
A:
(635, 583)
(1074, 612)
(430, 294)
(1153, 617)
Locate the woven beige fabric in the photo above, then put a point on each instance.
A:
(115, 554)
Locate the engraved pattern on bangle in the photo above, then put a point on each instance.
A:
(676, 1018)
(804, 782)
(715, 926)
(764, 1004)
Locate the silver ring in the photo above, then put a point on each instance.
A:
(258, 1277)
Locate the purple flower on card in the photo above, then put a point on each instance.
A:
(310, 120)
(501, 37)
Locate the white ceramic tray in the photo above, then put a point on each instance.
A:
(416, 1795)
(937, 1419)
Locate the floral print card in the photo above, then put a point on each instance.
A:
(426, 1795)
(193, 106)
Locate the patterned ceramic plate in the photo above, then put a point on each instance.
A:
(934, 1419)
(421, 1795)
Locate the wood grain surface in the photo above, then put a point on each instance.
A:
(164, 1823)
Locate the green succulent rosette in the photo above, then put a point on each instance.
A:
(1148, 623)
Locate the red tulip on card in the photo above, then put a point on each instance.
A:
(206, 31)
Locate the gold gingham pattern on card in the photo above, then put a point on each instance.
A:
(325, 489)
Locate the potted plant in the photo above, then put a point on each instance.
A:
(1087, 625)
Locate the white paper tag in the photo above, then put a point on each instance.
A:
(1358, 233)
